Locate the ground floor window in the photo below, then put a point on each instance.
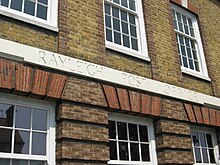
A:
(26, 131)
(131, 140)
(205, 147)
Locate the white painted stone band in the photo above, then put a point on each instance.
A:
(16, 51)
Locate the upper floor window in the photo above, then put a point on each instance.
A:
(189, 43)
(27, 129)
(131, 140)
(40, 12)
(124, 27)
(205, 148)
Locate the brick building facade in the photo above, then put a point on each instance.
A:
(109, 82)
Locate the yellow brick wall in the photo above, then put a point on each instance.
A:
(27, 34)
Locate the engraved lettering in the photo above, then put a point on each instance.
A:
(79, 66)
(90, 69)
(167, 89)
(131, 80)
(62, 60)
(53, 59)
(42, 56)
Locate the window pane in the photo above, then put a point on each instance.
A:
(183, 51)
(126, 41)
(211, 155)
(209, 140)
(6, 115)
(132, 19)
(42, 12)
(133, 31)
(124, 3)
(117, 38)
(123, 151)
(39, 119)
(134, 44)
(116, 24)
(23, 117)
(181, 40)
(4, 161)
(186, 29)
(189, 52)
(133, 134)
(132, 5)
(22, 141)
(16, 4)
(124, 16)
(180, 26)
(122, 131)
(108, 21)
(116, 1)
(112, 130)
(29, 7)
(113, 150)
(191, 64)
(179, 17)
(37, 162)
(125, 28)
(108, 35)
(145, 152)
(135, 152)
(43, 1)
(197, 66)
(202, 139)
(185, 62)
(198, 155)
(192, 32)
(205, 156)
(107, 9)
(5, 140)
(39, 144)
(19, 162)
(143, 133)
(195, 138)
(115, 12)
(4, 3)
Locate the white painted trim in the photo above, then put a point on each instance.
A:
(214, 141)
(142, 52)
(34, 103)
(141, 121)
(185, 3)
(50, 24)
(199, 47)
(60, 62)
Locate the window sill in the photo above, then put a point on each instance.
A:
(191, 73)
(28, 19)
(121, 49)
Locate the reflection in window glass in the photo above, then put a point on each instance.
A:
(39, 144)
(6, 115)
(42, 123)
(16, 5)
(128, 142)
(23, 117)
(203, 147)
(37, 163)
(22, 141)
(29, 7)
(42, 12)
(5, 140)
(4, 3)
(19, 162)
(4, 161)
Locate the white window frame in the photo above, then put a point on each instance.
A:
(141, 35)
(50, 23)
(214, 141)
(141, 121)
(203, 73)
(51, 146)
